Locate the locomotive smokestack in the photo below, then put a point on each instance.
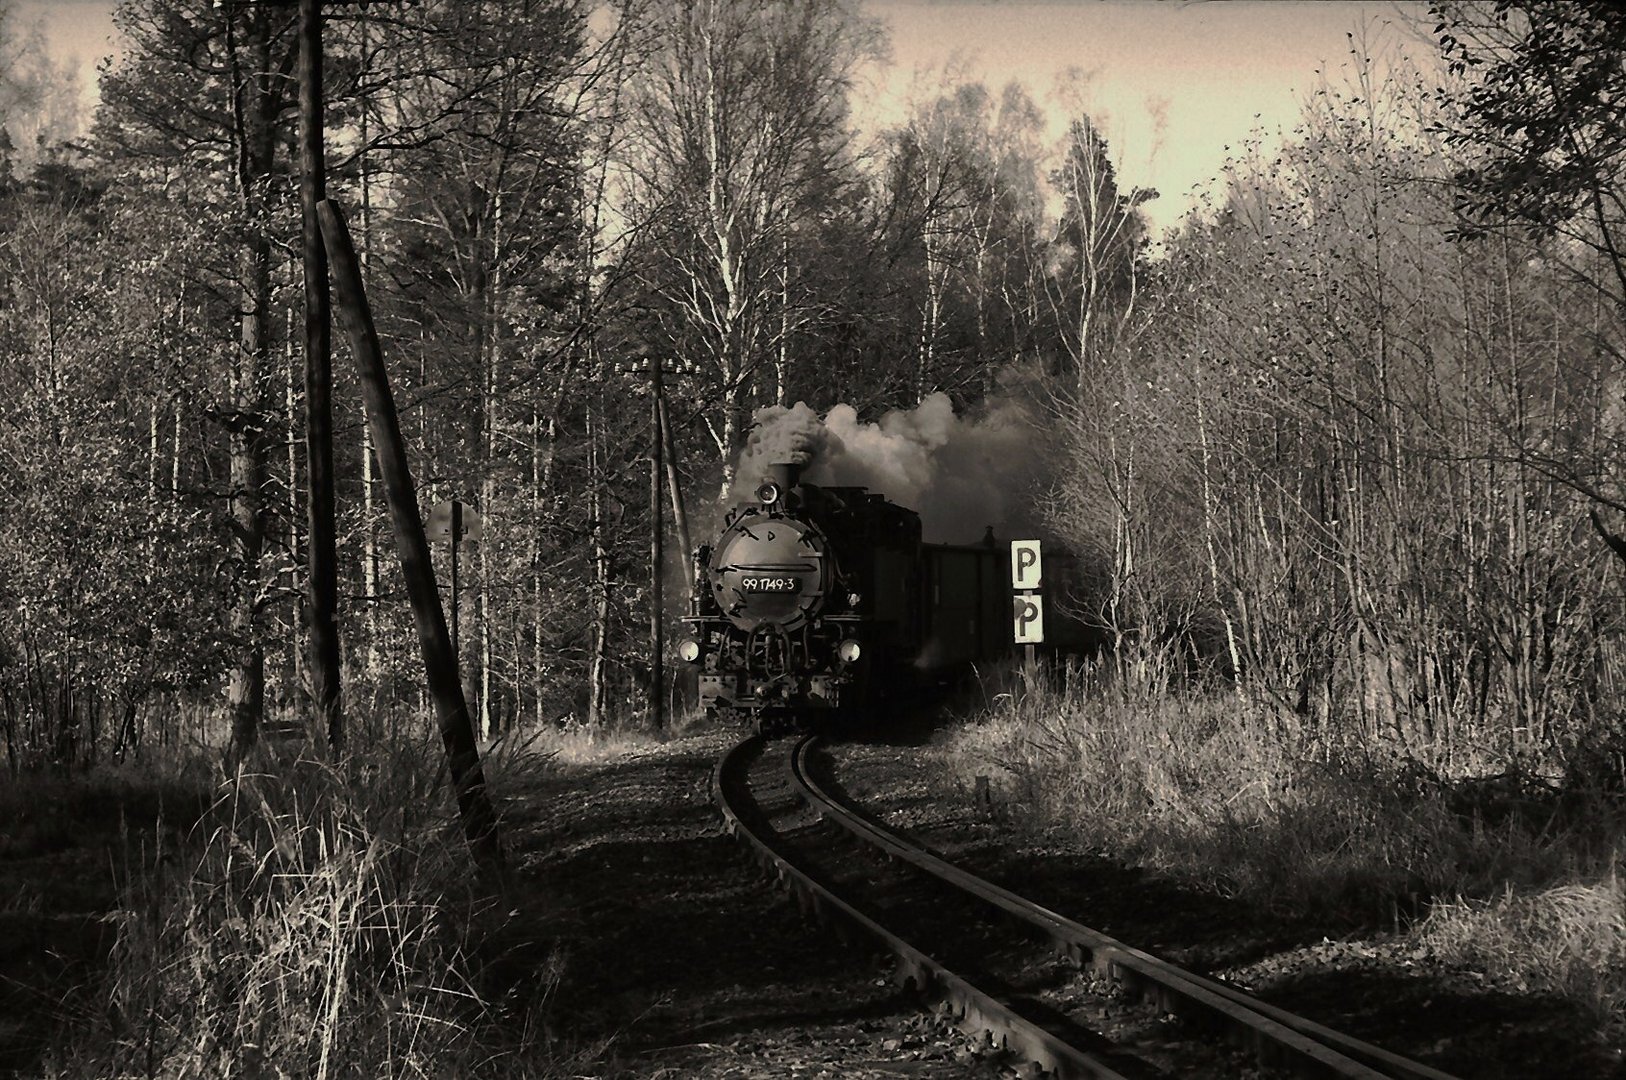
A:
(785, 474)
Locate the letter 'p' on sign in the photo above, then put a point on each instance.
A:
(1027, 571)
(1029, 615)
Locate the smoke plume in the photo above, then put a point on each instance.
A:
(961, 473)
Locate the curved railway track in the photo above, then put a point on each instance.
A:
(801, 832)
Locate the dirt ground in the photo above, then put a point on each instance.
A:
(63, 848)
(676, 949)
(739, 983)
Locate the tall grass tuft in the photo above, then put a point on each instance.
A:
(1568, 940)
(320, 923)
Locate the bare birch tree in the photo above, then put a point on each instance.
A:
(737, 130)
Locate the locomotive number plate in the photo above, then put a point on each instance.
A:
(770, 584)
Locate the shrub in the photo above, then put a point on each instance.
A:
(318, 924)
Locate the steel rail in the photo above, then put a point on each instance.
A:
(978, 1010)
(1276, 1035)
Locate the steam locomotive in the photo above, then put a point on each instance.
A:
(813, 602)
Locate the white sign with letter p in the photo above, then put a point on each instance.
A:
(1027, 569)
(1029, 616)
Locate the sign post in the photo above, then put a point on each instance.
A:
(1027, 575)
(454, 521)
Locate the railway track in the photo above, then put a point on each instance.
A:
(952, 935)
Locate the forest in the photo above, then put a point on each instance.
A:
(1344, 449)
(1349, 434)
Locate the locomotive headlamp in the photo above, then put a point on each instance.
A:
(689, 649)
(848, 650)
(768, 493)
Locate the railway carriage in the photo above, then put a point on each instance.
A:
(813, 601)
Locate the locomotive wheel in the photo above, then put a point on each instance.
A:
(725, 715)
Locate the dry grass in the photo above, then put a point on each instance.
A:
(1207, 788)
(1568, 940)
(582, 744)
(579, 745)
(318, 922)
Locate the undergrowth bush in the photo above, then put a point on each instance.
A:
(321, 922)
(1206, 787)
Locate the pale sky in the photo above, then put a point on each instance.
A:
(1218, 69)
(81, 29)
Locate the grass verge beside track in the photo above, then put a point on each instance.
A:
(1506, 874)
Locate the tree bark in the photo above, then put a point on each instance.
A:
(245, 688)
(321, 544)
(657, 674)
(598, 692)
(369, 533)
(253, 114)
(290, 401)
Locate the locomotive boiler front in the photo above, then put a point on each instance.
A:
(814, 601)
(770, 571)
(770, 568)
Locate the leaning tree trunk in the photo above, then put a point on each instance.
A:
(417, 567)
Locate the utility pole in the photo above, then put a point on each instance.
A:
(454, 521)
(680, 518)
(658, 436)
(321, 549)
(457, 537)
(657, 661)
